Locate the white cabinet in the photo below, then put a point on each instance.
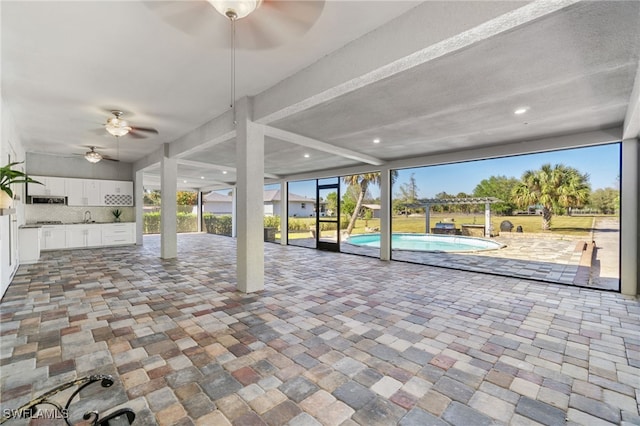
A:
(79, 236)
(29, 241)
(54, 186)
(53, 237)
(118, 233)
(116, 193)
(83, 192)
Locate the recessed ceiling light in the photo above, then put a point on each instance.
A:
(224, 172)
(184, 181)
(376, 140)
(201, 177)
(521, 110)
(307, 156)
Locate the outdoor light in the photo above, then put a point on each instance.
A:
(520, 111)
(376, 140)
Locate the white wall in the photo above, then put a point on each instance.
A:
(295, 209)
(77, 167)
(10, 147)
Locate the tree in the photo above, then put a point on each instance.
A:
(361, 183)
(553, 188)
(332, 202)
(186, 198)
(499, 187)
(605, 200)
(408, 196)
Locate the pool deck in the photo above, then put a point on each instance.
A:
(554, 259)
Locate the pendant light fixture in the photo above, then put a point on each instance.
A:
(234, 10)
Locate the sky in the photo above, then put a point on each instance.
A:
(601, 163)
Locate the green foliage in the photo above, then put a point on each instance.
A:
(348, 203)
(554, 188)
(272, 222)
(152, 198)
(220, 225)
(8, 176)
(332, 202)
(605, 200)
(186, 198)
(185, 222)
(500, 187)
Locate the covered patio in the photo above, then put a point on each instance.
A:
(322, 344)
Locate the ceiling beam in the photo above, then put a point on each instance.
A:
(215, 131)
(294, 138)
(399, 46)
(192, 163)
(631, 128)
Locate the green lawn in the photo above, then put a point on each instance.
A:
(566, 225)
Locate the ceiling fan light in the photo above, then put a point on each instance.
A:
(235, 9)
(92, 156)
(117, 127)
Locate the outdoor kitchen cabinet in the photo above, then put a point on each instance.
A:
(83, 192)
(79, 236)
(51, 186)
(116, 193)
(118, 233)
(54, 237)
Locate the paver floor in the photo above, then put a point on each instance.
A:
(332, 340)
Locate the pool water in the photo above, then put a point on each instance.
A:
(427, 242)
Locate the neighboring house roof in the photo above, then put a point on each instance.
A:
(269, 195)
(372, 206)
(216, 197)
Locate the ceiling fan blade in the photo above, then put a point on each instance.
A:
(145, 129)
(110, 159)
(135, 135)
(274, 23)
(195, 18)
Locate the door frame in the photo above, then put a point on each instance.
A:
(328, 245)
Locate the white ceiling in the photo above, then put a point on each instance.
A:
(423, 77)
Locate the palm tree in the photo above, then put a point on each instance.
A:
(558, 186)
(362, 182)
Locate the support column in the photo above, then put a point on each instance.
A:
(629, 218)
(234, 213)
(199, 217)
(284, 212)
(169, 209)
(250, 195)
(427, 218)
(385, 214)
(138, 196)
(487, 220)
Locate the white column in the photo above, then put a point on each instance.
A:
(138, 196)
(250, 195)
(199, 210)
(385, 214)
(487, 220)
(234, 213)
(629, 218)
(284, 203)
(169, 209)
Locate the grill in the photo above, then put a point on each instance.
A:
(445, 225)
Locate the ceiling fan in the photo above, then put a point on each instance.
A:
(262, 24)
(94, 156)
(118, 127)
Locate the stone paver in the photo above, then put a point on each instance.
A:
(333, 339)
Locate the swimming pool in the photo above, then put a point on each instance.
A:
(427, 242)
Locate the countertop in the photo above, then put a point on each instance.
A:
(40, 225)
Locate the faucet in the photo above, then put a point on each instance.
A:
(85, 216)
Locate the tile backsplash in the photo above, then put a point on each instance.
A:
(67, 214)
